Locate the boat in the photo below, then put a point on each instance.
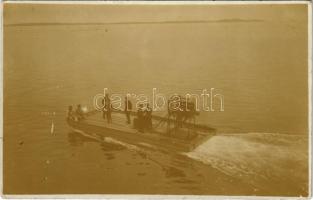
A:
(167, 133)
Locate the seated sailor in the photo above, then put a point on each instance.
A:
(70, 113)
(79, 113)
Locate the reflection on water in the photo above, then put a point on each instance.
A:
(77, 139)
(171, 172)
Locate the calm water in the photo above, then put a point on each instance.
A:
(261, 145)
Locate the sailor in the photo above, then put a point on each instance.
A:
(108, 108)
(140, 118)
(79, 113)
(70, 113)
(148, 117)
(103, 109)
(181, 114)
(128, 108)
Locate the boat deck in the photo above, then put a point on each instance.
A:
(182, 139)
(119, 122)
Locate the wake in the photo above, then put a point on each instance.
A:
(256, 156)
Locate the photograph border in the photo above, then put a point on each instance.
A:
(152, 197)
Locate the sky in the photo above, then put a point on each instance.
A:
(67, 13)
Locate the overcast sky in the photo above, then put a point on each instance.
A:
(66, 13)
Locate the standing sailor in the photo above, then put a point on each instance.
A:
(128, 108)
(108, 108)
(148, 117)
(140, 119)
(103, 108)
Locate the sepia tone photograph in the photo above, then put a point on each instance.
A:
(132, 98)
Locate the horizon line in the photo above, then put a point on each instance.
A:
(133, 22)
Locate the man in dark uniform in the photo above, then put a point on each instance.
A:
(108, 108)
(103, 109)
(79, 112)
(140, 118)
(148, 118)
(70, 113)
(128, 108)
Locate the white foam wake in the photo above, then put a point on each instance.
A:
(255, 155)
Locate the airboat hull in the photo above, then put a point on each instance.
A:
(182, 140)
